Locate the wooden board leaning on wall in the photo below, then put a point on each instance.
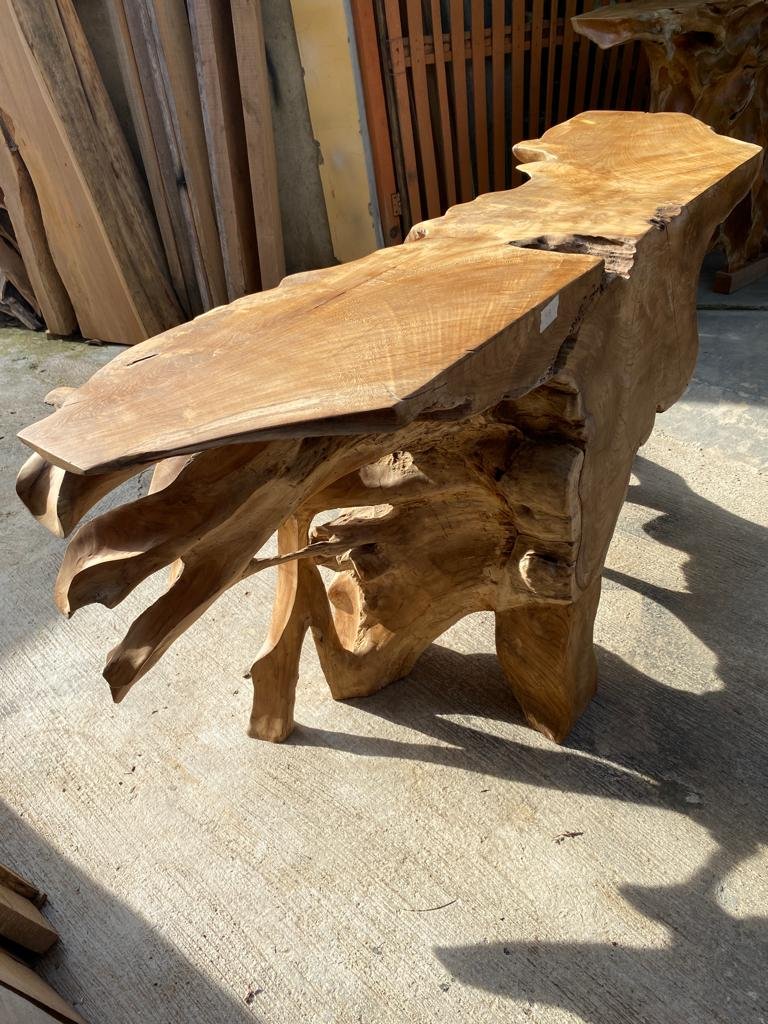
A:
(138, 172)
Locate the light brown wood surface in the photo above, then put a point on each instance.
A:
(21, 886)
(130, 27)
(216, 64)
(471, 400)
(708, 58)
(99, 230)
(22, 922)
(450, 320)
(18, 1010)
(176, 79)
(20, 200)
(358, 373)
(260, 141)
(19, 978)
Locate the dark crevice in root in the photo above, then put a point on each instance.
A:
(569, 342)
(142, 359)
(618, 254)
(13, 303)
(665, 215)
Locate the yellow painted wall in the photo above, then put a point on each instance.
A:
(324, 45)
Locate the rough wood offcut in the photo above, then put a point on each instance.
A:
(20, 201)
(24, 927)
(19, 978)
(472, 400)
(708, 58)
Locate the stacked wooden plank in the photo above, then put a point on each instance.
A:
(25, 233)
(23, 930)
(118, 244)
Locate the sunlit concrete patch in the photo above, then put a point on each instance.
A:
(725, 405)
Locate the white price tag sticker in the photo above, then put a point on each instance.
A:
(549, 314)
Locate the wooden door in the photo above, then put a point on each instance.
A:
(451, 85)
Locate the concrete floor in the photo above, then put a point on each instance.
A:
(398, 859)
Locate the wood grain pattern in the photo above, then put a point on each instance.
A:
(446, 128)
(22, 923)
(461, 106)
(399, 76)
(18, 197)
(535, 120)
(566, 64)
(262, 159)
(477, 37)
(472, 402)
(102, 240)
(366, 40)
(549, 115)
(135, 68)
(24, 888)
(167, 27)
(710, 60)
(269, 388)
(19, 978)
(222, 109)
(363, 317)
(159, 148)
(518, 79)
(498, 105)
(423, 114)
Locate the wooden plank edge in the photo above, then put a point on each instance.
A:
(17, 977)
(728, 281)
(11, 880)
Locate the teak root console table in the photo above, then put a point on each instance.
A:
(472, 400)
(708, 58)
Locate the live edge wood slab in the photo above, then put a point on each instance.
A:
(708, 58)
(471, 400)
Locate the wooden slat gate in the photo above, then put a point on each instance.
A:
(443, 118)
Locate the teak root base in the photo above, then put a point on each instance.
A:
(471, 400)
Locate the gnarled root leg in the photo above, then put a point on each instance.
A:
(359, 660)
(547, 654)
(302, 602)
(276, 670)
(411, 570)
